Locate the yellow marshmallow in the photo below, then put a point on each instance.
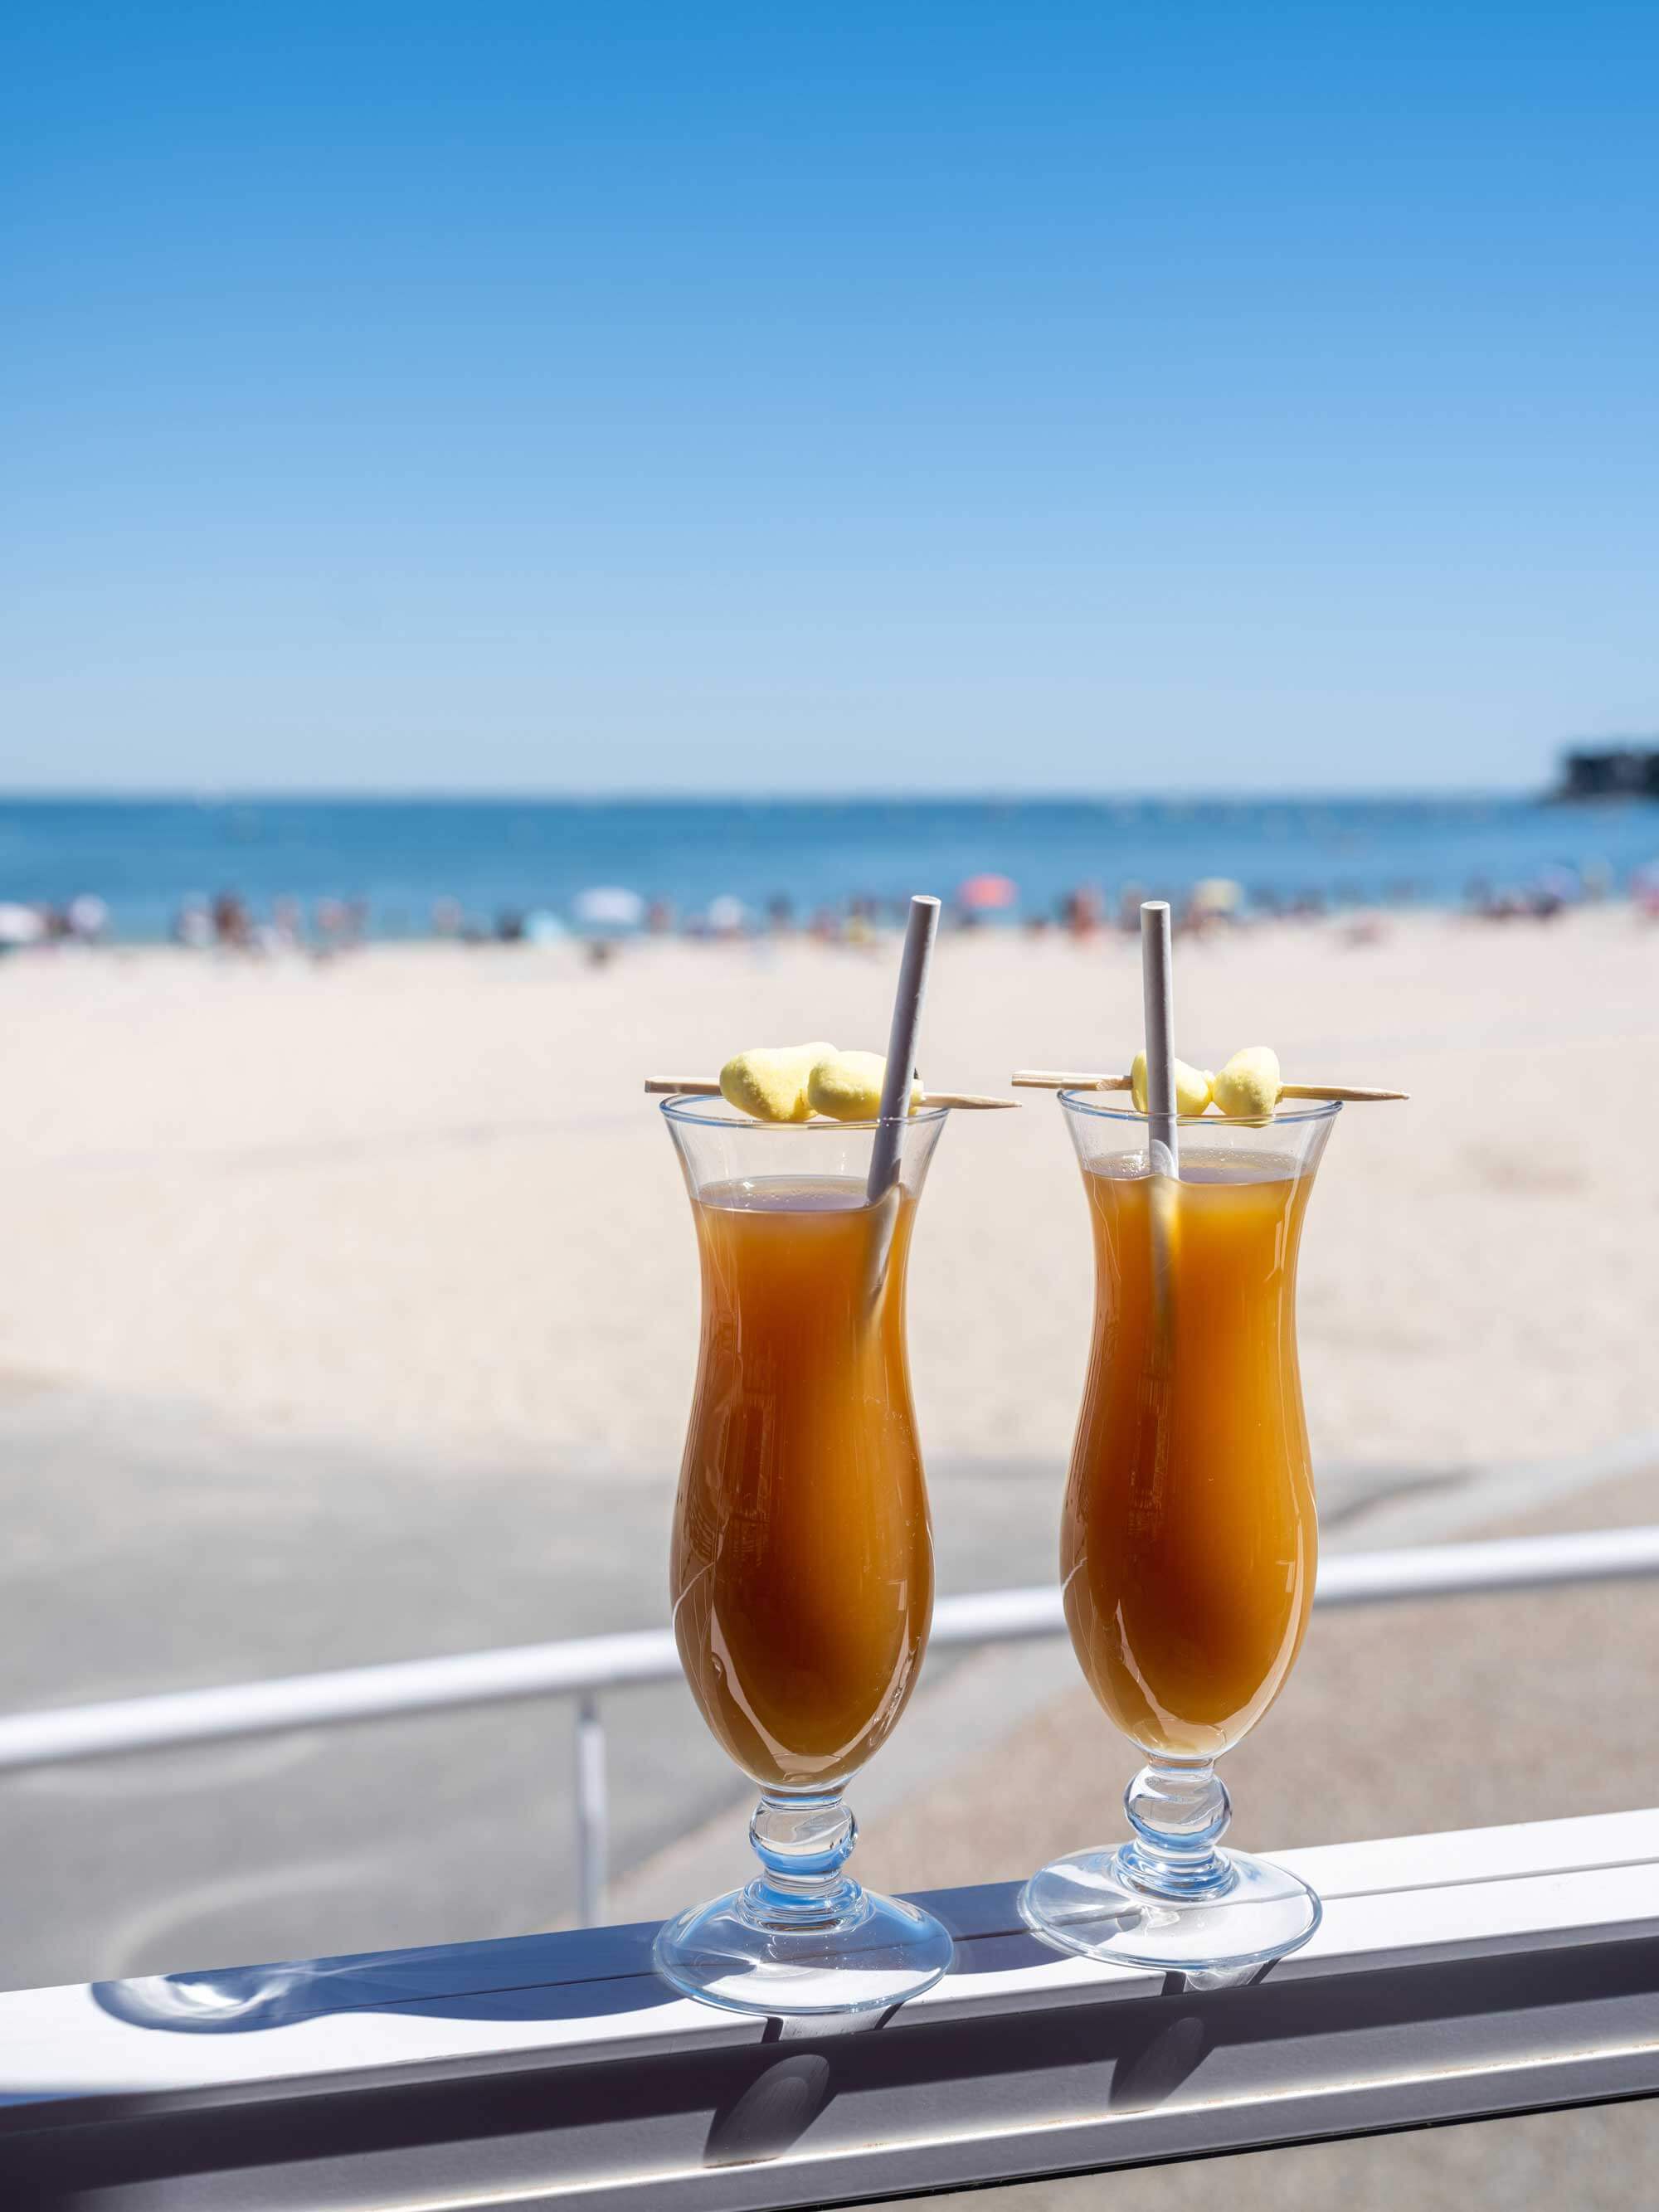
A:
(1192, 1085)
(1248, 1087)
(847, 1086)
(768, 1082)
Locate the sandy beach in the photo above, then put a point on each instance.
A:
(418, 1193)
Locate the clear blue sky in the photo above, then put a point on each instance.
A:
(623, 396)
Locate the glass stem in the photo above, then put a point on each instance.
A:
(803, 1839)
(1179, 1810)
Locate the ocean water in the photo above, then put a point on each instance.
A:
(146, 857)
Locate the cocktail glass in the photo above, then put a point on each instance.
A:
(802, 1575)
(1189, 1539)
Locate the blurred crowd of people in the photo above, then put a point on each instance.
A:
(602, 920)
(82, 920)
(228, 923)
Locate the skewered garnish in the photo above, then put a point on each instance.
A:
(847, 1086)
(793, 1082)
(1248, 1087)
(1192, 1085)
(768, 1082)
(974, 1101)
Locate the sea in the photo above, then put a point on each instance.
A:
(146, 859)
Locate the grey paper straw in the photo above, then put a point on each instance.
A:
(1158, 994)
(919, 934)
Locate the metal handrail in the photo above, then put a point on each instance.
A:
(583, 1667)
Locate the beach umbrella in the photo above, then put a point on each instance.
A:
(1218, 895)
(986, 894)
(21, 925)
(1560, 880)
(609, 907)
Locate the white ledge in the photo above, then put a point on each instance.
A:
(1454, 1976)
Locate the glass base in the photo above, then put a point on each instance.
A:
(861, 1953)
(1092, 1904)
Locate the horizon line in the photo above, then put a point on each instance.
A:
(207, 797)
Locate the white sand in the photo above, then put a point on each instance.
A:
(419, 1190)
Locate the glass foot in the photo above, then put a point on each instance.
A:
(1091, 1903)
(865, 1953)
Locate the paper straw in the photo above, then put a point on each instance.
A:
(919, 934)
(1162, 1137)
(1158, 996)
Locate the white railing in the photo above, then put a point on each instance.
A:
(584, 1666)
(1454, 1976)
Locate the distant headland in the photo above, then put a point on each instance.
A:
(1627, 769)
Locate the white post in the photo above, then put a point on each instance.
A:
(592, 1812)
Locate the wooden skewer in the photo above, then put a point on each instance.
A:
(1350, 1094)
(705, 1086)
(1041, 1078)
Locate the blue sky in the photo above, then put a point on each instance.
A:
(649, 397)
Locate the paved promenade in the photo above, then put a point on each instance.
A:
(153, 1547)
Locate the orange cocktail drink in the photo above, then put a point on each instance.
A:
(1188, 1539)
(802, 1572)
